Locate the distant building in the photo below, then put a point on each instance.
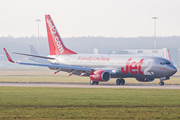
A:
(174, 53)
(95, 51)
(159, 52)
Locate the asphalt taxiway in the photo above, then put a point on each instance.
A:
(82, 85)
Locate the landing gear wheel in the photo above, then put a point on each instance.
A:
(122, 81)
(118, 81)
(161, 83)
(92, 82)
(96, 83)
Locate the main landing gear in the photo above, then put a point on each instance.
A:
(120, 81)
(94, 82)
(161, 83)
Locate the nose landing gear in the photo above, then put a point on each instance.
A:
(161, 83)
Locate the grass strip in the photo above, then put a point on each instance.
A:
(88, 103)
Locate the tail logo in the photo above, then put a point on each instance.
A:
(55, 36)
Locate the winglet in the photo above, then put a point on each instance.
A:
(168, 55)
(8, 57)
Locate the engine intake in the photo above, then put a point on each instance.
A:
(145, 79)
(100, 75)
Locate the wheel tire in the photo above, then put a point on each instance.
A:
(122, 81)
(91, 82)
(118, 81)
(161, 83)
(96, 83)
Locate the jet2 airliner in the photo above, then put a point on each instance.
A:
(101, 67)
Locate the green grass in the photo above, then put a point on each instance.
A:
(88, 103)
(128, 113)
(88, 96)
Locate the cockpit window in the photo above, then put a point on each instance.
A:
(165, 63)
(168, 63)
(162, 63)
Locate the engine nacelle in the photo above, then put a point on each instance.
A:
(145, 79)
(100, 75)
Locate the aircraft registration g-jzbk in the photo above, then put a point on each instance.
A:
(101, 67)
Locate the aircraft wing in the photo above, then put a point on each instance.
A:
(32, 55)
(48, 65)
(57, 66)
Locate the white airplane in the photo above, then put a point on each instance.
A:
(101, 67)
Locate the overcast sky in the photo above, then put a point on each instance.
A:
(75, 18)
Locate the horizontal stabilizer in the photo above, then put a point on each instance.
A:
(33, 50)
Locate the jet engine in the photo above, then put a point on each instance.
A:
(145, 79)
(100, 75)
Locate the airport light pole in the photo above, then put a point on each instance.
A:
(154, 33)
(38, 20)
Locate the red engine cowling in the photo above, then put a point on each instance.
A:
(145, 79)
(100, 75)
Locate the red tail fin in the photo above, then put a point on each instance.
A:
(168, 55)
(56, 45)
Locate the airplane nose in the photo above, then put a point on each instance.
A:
(172, 70)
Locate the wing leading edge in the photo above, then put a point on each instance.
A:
(33, 55)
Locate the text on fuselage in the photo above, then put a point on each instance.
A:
(132, 67)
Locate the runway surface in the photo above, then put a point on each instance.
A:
(71, 85)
